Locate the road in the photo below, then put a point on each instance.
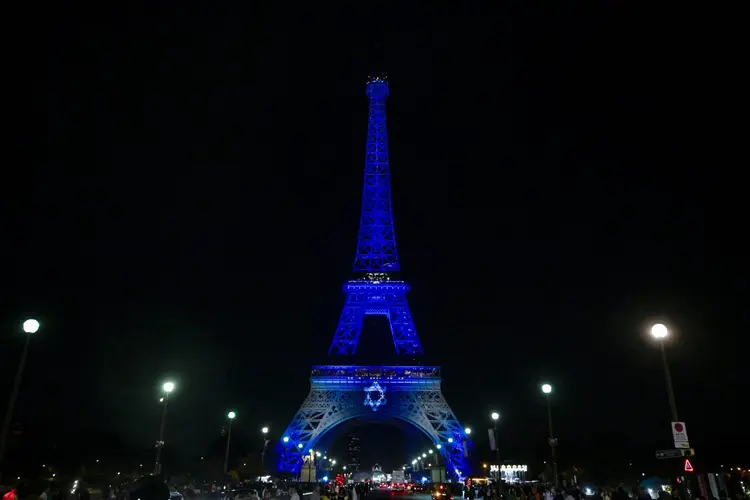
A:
(385, 494)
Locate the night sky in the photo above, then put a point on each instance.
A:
(561, 178)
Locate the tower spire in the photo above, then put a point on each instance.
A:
(376, 242)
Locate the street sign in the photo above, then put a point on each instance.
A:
(679, 434)
(677, 453)
(688, 466)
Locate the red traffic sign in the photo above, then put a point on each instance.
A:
(679, 427)
(688, 466)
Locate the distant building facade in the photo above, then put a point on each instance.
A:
(353, 452)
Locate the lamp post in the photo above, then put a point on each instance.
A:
(231, 416)
(547, 390)
(495, 416)
(660, 332)
(264, 431)
(30, 327)
(167, 387)
(437, 462)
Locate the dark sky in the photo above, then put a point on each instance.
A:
(561, 175)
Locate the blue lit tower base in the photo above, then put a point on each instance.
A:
(343, 392)
(408, 393)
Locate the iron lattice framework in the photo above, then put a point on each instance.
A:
(338, 394)
(407, 393)
(376, 242)
(376, 247)
(373, 296)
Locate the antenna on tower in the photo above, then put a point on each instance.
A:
(376, 58)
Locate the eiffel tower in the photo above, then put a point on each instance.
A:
(408, 392)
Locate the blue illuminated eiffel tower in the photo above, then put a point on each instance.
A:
(346, 391)
(376, 247)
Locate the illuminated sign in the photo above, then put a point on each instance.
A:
(375, 396)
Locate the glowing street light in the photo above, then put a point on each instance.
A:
(660, 333)
(167, 387)
(547, 390)
(30, 327)
(230, 416)
(495, 416)
(264, 430)
(286, 439)
(424, 455)
(467, 430)
(450, 440)
(438, 446)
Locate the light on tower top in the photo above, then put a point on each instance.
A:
(377, 86)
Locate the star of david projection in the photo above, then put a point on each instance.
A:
(375, 396)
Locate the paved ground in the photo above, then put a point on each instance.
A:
(383, 495)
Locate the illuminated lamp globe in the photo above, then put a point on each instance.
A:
(264, 430)
(450, 440)
(467, 430)
(286, 439)
(659, 331)
(300, 446)
(495, 415)
(168, 387)
(231, 415)
(546, 388)
(30, 326)
(438, 446)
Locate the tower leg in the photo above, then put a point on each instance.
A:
(350, 325)
(402, 326)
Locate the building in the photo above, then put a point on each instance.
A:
(353, 452)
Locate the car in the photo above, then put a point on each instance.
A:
(441, 492)
(398, 487)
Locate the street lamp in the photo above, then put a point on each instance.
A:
(660, 332)
(230, 416)
(30, 327)
(467, 430)
(167, 387)
(495, 416)
(547, 390)
(264, 431)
